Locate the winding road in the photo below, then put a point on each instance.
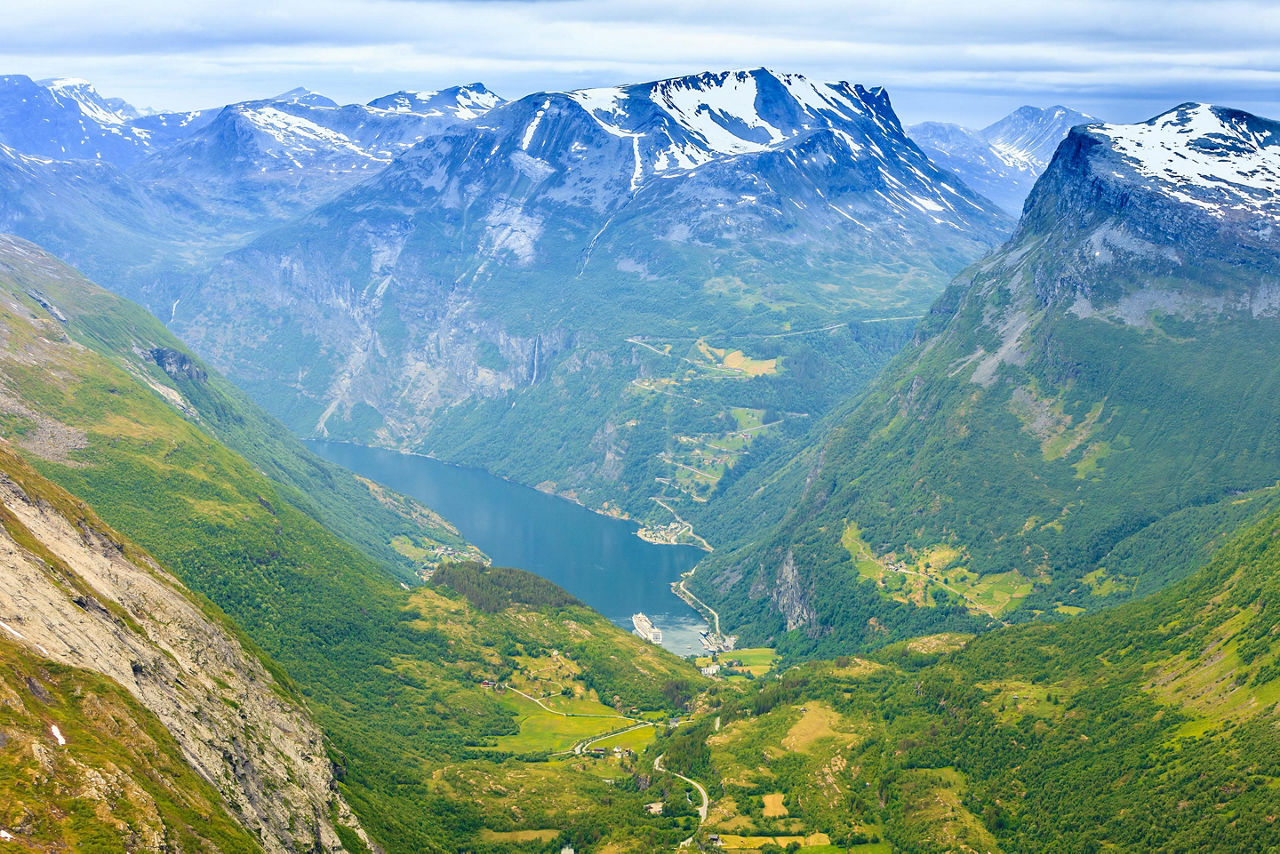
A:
(585, 745)
(698, 604)
(702, 810)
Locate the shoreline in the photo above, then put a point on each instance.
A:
(648, 533)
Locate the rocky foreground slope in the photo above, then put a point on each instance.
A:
(75, 595)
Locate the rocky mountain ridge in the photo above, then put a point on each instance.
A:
(67, 119)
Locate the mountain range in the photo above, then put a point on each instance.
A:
(993, 504)
(560, 242)
(1002, 160)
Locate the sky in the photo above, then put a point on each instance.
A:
(967, 62)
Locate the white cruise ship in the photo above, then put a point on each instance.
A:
(646, 629)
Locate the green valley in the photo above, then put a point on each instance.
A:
(1149, 725)
(988, 566)
(381, 667)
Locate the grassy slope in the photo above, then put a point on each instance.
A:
(355, 643)
(1148, 726)
(1107, 463)
(123, 333)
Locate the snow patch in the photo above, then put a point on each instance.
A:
(1205, 157)
(510, 229)
(533, 126)
(57, 733)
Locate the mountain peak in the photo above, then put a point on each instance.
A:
(303, 95)
(1002, 160)
(105, 111)
(465, 102)
(699, 117)
(1222, 160)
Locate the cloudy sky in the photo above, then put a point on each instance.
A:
(959, 60)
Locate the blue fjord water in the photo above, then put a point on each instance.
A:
(598, 559)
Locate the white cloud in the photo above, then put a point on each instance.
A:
(950, 60)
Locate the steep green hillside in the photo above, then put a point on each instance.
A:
(1081, 417)
(130, 339)
(116, 781)
(1150, 726)
(392, 689)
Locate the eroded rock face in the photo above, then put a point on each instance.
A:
(104, 607)
(790, 597)
(178, 365)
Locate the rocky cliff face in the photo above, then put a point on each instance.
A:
(75, 595)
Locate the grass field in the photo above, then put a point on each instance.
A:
(548, 835)
(636, 739)
(774, 806)
(941, 642)
(753, 843)
(1102, 583)
(735, 360)
(917, 577)
(1013, 699)
(541, 730)
(756, 661)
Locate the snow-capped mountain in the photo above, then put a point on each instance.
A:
(278, 156)
(66, 119)
(105, 111)
(672, 202)
(674, 126)
(459, 102)
(1198, 180)
(1003, 160)
(701, 158)
(303, 95)
(1224, 161)
(163, 188)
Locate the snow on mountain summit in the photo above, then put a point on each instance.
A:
(1219, 159)
(1002, 160)
(456, 102)
(686, 121)
(303, 95)
(105, 111)
(695, 160)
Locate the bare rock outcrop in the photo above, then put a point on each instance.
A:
(73, 593)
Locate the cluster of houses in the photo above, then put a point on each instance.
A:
(617, 752)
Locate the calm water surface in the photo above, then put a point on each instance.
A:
(598, 559)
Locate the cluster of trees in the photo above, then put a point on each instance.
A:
(496, 588)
